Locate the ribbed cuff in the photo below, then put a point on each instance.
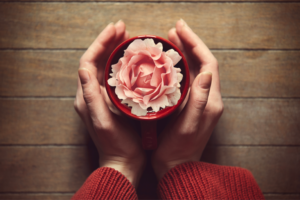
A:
(199, 180)
(106, 183)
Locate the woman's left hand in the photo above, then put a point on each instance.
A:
(117, 142)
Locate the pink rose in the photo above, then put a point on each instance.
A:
(146, 77)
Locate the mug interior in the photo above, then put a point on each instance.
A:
(119, 52)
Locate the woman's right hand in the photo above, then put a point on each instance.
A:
(186, 135)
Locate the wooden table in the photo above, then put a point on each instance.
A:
(45, 152)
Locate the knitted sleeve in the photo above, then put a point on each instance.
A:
(106, 183)
(199, 180)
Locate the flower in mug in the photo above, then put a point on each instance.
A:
(146, 77)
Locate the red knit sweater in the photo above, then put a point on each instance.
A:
(194, 180)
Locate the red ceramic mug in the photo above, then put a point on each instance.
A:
(148, 122)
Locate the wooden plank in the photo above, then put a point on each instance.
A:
(281, 196)
(259, 73)
(242, 73)
(244, 122)
(258, 122)
(63, 169)
(44, 169)
(143, 0)
(39, 73)
(31, 121)
(276, 169)
(234, 25)
(36, 196)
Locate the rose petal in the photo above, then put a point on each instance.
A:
(143, 91)
(174, 97)
(147, 98)
(160, 102)
(135, 72)
(124, 72)
(120, 92)
(149, 42)
(136, 109)
(137, 45)
(155, 52)
(147, 68)
(129, 93)
(179, 79)
(156, 77)
(172, 77)
(112, 81)
(142, 82)
(174, 55)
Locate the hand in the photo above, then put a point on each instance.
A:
(117, 142)
(184, 138)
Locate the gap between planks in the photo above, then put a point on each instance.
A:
(154, 2)
(84, 49)
(67, 98)
(85, 145)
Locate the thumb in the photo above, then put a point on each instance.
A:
(198, 98)
(92, 96)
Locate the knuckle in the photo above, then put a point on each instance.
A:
(218, 108)
(82, 60)
(76, 106)
(79, 106)
(199, 103)
(214, 62)
(88, 95)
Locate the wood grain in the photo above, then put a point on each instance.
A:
(39, 73)
(63, 169)
(281, 196)
(49, 196)
(234, 25)
(258, 122)
(242, 73)
(30, 121)
(259, 73)
(44, 169)
(182, 1)
(244, 122)
(276, 169)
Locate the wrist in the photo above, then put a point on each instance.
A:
(132, 170)
(162, 167)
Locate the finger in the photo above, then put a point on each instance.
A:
(190, 116)
(120, 32)
(98, 48)
(201, 52)
(193, 43)
(119, 36)
(126, 36)
(174, 38)
(96, 105)
(82, 110)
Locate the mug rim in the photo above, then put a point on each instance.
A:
(116, 101)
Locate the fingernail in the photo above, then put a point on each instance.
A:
(119, 22)
(111, 23)
(205, 80)
(84, 75)
(183, 23)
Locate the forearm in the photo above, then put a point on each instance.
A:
(198, 180)
(106, 183)
(132, 170)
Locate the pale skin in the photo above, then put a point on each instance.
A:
(117, 141)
